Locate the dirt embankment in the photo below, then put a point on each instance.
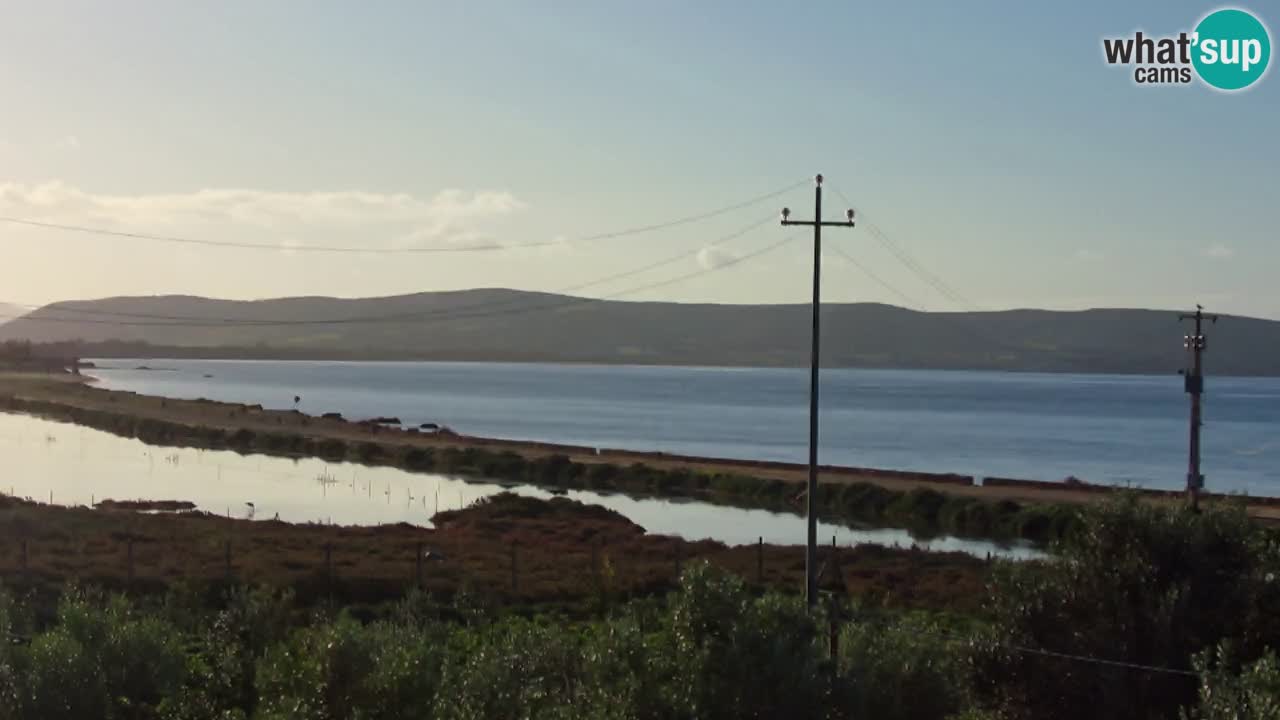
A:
(207, 423)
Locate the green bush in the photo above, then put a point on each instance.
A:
(103, 659)
(511, 669)
(905, 668)
(419, 459)
(1251, 693)
(1134, 583)
(918, 507)
(241, 439)
(344, 669)
(331, 449)
(369, 452)
(865, 500)
(733, 655)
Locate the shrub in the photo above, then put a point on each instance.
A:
(734, 656)
(241, 439)
(344, 669)
(331, 449)
(369, 452)
(511, 669)
(905, 668)
(1251, 694)
(919, 507)
(101, 660)
(418, 459)
(1134, 583)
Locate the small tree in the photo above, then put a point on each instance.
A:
(1139, 584)
(1252, 694)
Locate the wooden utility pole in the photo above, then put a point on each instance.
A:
(811, 499)
(1193, 383)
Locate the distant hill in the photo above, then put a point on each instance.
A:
(508, 325)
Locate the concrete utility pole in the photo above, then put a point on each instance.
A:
(1193, 383)
(811, 499)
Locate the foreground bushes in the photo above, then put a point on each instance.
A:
(712, 650)
(1146, 613)
(1138, 584)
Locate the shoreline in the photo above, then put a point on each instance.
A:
(932, 503)
(633, 363)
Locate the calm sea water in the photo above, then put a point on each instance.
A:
(1102, 428)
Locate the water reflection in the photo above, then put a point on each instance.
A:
(74, 465)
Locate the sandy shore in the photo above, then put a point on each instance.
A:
(78, 393)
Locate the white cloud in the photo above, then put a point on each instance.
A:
(69, 142)
(712, 257)
(1218, 251)
(446, 216)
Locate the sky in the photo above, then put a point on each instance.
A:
(987, 141)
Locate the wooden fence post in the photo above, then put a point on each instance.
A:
(227, 566)
(760, 561)
(515, 572)
(835, 641)
(595, 563)
(417, 560)
(328, 572)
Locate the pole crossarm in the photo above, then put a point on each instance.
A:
(825, 223)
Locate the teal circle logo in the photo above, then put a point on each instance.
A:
(1231, 49)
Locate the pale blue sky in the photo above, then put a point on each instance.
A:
(990, 139)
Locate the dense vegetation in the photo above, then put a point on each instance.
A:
(1179, 605)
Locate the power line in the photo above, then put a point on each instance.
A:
(444, 316)
(977, 330)
(908, 260)
(193, 321)
(1027, 650)
(911, 304)
(231, 244)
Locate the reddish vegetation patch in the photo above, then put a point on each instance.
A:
(515, 550)
(516, 518)
(155, 505)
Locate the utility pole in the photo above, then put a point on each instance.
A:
(811, 495)
(1193, 383)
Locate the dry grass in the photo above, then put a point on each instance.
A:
(565, 553)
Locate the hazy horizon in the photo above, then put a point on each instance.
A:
(991, 143)
(4, 312)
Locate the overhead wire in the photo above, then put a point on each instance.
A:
(908, 260)
(1028, 650)
(360, 249)
(910, 303)
(973, 327)
(491, 310)
(196, 321)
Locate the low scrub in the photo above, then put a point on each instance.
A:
(1146, 612)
